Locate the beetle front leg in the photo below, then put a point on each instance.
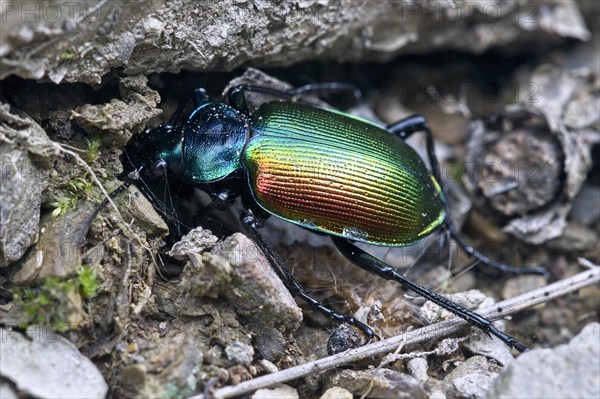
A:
(220, 200)
(199, 96)
(373, 265)
(294, 287)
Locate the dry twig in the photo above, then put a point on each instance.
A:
(428, 333)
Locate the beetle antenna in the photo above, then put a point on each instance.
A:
(491, 262)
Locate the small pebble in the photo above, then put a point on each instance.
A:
(336, 393)
(268, 366)
(380, 383)
(281, 392)
(132, 347)
(239, 353)
(472, 378)
(418, 368)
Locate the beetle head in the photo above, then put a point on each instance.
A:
(156, 152)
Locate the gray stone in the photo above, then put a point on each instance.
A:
(575, 239)
(336, 393)
(196, 241)
(281, 392)
(169, 36)
(134, 204)
(567, 371)
(239, 353)
(585, 205)
(23, 177)
(236, 269)
(270, 343)
(46, 365)
(471, 379)
(58, 250)
(378, 383)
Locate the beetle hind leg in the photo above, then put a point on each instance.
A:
(294, 287)
(417, 123)
(373, 265)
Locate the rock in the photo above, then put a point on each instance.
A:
(137, 205)
(585, 205)
(343, 338)
(46, 365)
(237, 270)
(239, 353)
(119, 119)
(58, 250)
(133, 378)
(518, 285)
(526, 163)
(196, 241)
(575, 239)
(270, 344)
(164, 367)
(336, 393)
(377, 383)
(6, 391)
(418, 368)
(268, 366)
(491, 347)
(471, 379)
(167, 37)
(205, 275)
(281, 392)
(24, 176)
(256, 291)
(569, 370)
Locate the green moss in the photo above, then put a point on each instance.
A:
(88, 282)
(76, 189)
(93, 150)
(68, 55)
(63, 205)
(51, 303)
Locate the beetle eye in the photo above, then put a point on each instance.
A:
(158, 168)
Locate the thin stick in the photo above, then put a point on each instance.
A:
(88, 168)
(428, 333)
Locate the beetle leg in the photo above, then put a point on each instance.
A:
(220, 200)
(198, 95)
(491, 262)
(417, 123)
(235, 96)
(294, 287)
(373, 265)
(404, 128)
(330, 87)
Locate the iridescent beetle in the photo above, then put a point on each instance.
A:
(320, 169)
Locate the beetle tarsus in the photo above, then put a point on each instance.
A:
(491, 262)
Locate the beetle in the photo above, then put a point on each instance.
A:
(318, 168)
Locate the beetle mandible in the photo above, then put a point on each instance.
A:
(318, 168)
